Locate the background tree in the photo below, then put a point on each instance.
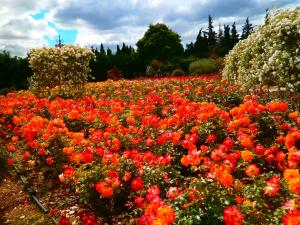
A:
(102, 51)
(234, 36)
(14, 71)
(159, 42)
(247, 29)
(201, 47)
(211, 35)
(226, 41)
(219, 47)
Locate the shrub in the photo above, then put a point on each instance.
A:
(154, 68)
(114, 74)
(203, 66)
(178, 72)
(270, 56)
(66, 67)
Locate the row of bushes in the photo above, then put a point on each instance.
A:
(188, 66)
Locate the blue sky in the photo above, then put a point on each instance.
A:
(68, 36)
(31, 23)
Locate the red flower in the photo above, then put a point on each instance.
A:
(10, 162)
(239, 199)
(233, 216)
(211, 138)
(292, 218)
(41, 151)
(49, 161)
(69, 172)
(137, 184)
(104, 190)
(26, 155)
(64, 221)
(140, 202)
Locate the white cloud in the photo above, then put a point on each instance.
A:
(18, 30)
(117, 21)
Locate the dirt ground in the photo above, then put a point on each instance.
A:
(16, 207)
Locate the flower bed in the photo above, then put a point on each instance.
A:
(164, 151)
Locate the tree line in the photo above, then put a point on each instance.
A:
(159, 43)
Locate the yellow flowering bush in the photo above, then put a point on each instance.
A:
(270, 56)
(66, 67)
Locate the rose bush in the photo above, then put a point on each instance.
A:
(166, 151)
(270, 56)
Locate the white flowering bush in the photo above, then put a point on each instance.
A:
(270, 56)
(66, 67)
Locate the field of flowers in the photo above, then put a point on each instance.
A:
(180, 151)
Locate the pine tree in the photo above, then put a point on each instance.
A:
(247, 29)
(201, 48)
(234, 35)
(108, 52)
(118, 50)
(102, 51)
(220, 34)
(219, 48)
(211, 34)
(226, 40)
(189, 50)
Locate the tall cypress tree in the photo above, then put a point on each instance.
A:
(189, 50)
(211, 34)
(102, 51)
(247, 29)
(226, 40)
(234, 35)
(201, 48)
(108, 52)
(118, 50)
(219, 47)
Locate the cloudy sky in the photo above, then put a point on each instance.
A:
(25, 24)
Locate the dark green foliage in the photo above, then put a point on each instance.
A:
(247, 29)
(211, 35)
(234, 35)
(14, 71)
(268, 130)
(159, 42)
(178, 72)
(204, 66)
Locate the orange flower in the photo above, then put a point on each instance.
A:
(184, 161)
(15, 138)
(68, 150)
(159, 221)
(246, 142)
(105, 191)
(278, 106)
(292, 139)
(74, 114)
(166, 213)
(239, 199)
(247, 155)
(252, 170)
(294, 185)
(226, 179)
(294, 115)
(290, 174)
